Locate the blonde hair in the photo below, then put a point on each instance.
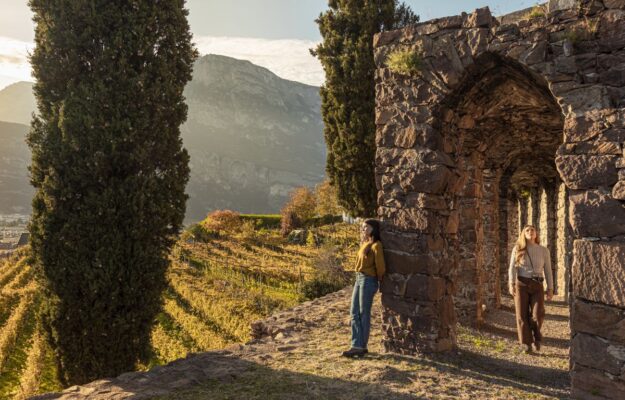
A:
(521, 244)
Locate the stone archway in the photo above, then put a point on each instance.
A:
(457, 165)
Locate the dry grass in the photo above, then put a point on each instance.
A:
(488, 364)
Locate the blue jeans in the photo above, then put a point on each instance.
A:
(362, 299)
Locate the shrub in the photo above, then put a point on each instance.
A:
(323, 220)
(200, 234)
(404, 61)
(587, 31)
(248, 229)
(223, 221)
(302, 203)
(289, 222)
(538, 11)
(268, 221)
(311, 239)
(328, 274)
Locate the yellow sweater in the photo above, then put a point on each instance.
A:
(371, 264)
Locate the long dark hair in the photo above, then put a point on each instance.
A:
(375, 233)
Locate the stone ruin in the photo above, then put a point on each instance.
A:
(510, 120)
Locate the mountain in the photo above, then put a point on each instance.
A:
(252, 137)
(17, 103)
(15, 191)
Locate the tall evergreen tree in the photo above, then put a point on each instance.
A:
(109, 171)
(348, 95)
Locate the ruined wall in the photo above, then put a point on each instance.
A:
(440, 129)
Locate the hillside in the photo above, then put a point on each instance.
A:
(216, 289)
(15, 190)
(251, 135)
(17, 103)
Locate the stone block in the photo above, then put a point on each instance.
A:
(558, 5)
(618, 191)
(598, 271)
(591, 148)
(595, 352)
(425, 288)
(426, 200)
(427, 179)
(480, 18)
(594, 213)
(412, 243)
(614, 4)
(591, 384)
(477, 39)
(537, 53)
(598, 319)
(411, 219)
(430, 263)
(587, 171)
(611, 34)
(586, 126)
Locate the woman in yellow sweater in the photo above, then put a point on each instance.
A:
(370, 270)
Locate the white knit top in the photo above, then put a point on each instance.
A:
(536, 263)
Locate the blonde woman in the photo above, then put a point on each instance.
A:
(530, 266)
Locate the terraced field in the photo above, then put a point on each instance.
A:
(216, 289)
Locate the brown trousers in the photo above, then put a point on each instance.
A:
(529, 304)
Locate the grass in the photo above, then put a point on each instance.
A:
(538, 11)
(584, 32)
(216, 289)
(404, 61)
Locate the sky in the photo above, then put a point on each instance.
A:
(275, 34)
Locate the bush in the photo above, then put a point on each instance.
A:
(536, 12)
(267, 221)
(328, 274)
(223, 221)
(302, 204)
(248, 229)
(200, 234)
(404, 61)
(323, 220)
(289, 222)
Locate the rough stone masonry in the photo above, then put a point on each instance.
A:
(506, 121)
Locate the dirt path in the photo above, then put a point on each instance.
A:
(303, 361)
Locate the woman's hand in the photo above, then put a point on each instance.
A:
(511, 289)
(549, 294)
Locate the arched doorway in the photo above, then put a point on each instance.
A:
(503, 125)
(502, 128)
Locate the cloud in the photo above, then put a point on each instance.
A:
(14, 65)
(287, 58)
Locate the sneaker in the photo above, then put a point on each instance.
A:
(354, 353)
(526, 348)
(537, 346)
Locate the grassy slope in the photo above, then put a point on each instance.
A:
(215, 290)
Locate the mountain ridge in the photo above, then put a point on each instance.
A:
(252, 136)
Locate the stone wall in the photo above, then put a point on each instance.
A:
(539, 100)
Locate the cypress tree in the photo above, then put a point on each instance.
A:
(348, 95)
(109, 171)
